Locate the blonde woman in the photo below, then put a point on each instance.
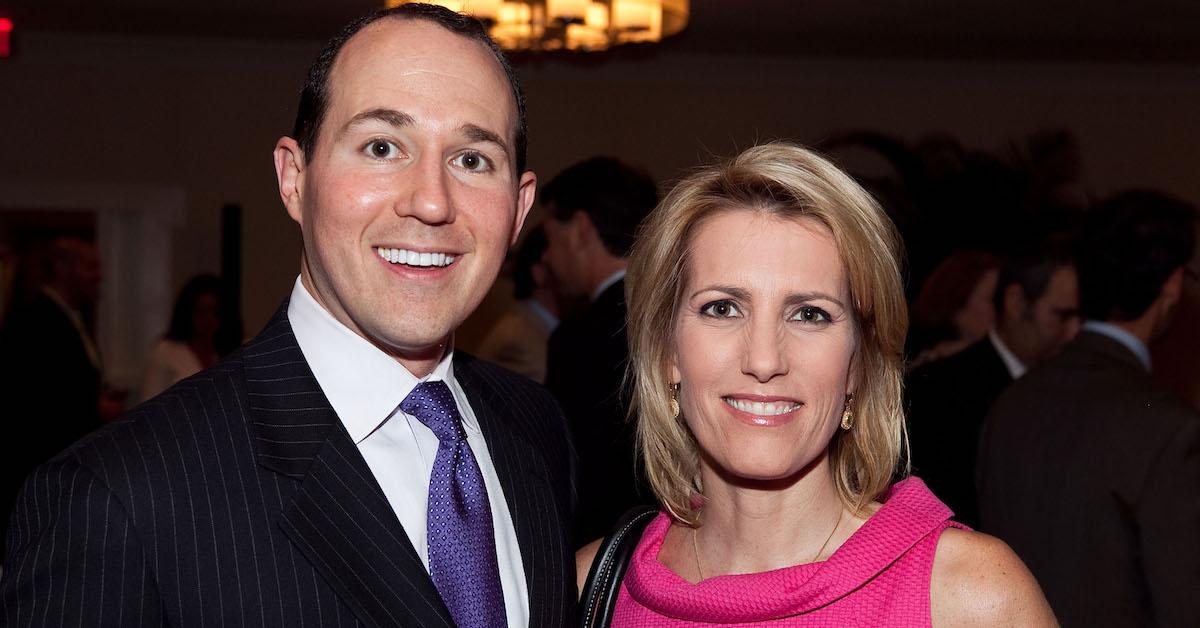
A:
(766, 327)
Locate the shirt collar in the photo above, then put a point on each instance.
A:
(53, 295)
(542, 313)
(85, 336)
(363, 384)
(1016, 368)
(607, 283)
(1121, 335)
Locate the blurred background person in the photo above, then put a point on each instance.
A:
(1088, 467)
(50, 371)
(518, 339)
(1037, 303)
(954, 308)
(594, 208)
(767, 324)
(199, 335)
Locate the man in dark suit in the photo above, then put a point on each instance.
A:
(595, 207)
(1087, 467)
(519, 338)
(47, 351)
(1037, 312)
(345, 467)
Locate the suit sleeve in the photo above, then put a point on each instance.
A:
(73, 555)
(1169, 518)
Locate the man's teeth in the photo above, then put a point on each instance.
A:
(761, 408)
(414, 258)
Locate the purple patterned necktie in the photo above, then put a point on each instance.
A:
(462, 550)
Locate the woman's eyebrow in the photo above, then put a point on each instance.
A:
(815, 295)
(733, 291)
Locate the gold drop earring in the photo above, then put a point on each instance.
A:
(847, 413)
(675, 400)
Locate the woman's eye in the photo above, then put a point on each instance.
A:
(721, 309)
(473, 162)
(810, 314)
(382, 149)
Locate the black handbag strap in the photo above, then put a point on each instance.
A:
(608, 568)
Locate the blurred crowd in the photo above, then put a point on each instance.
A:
(1031, 316)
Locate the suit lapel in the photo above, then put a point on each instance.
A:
(524, 476)
(338, 518)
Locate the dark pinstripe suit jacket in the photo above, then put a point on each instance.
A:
(237, 498)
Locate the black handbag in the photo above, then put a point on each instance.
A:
(608, 568)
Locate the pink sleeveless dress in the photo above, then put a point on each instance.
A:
(878, 577)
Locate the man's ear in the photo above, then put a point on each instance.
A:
(582, 228)
(526, 191)
(1172, 290)
(289, 172)
(1014, 302)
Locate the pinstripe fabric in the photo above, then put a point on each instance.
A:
(236, 498)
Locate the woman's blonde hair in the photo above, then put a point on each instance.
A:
(794, 183)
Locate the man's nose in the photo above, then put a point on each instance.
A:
(429, 201)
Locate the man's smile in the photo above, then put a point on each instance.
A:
(415, 258)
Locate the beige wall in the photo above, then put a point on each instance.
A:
(202, 116)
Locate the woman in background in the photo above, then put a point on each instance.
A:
(766, 327)
(954, 308)
(198, 336)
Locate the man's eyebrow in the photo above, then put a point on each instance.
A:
(476, 133)
(390, 117)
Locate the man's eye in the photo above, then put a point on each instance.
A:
(382, 149)
(811, 314)
(721, 309)
(473, 162)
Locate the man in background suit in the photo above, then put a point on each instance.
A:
(518, 340)
(1088, 468)
(48, 352)
(345, 467)
(595, 207)
(1037, 312)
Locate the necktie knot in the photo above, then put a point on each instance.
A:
(433, 405)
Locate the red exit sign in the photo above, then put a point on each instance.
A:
(6, 29)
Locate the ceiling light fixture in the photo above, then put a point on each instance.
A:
(581, 25)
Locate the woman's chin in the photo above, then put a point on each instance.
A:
(763, 472)
(761, 476)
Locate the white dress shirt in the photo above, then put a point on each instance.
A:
(607, 283)
(365, 386)
(1016, 368)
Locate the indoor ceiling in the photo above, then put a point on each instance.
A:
(1157, 31)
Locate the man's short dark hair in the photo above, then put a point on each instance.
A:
(314, 98)
(1128, 248)
(1031, 266)
(615, 196)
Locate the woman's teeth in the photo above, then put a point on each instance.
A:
(414, 258)
(760, 408)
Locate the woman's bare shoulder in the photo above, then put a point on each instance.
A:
(583, 562)
(979, 581)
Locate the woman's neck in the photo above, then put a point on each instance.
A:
(749, 528)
